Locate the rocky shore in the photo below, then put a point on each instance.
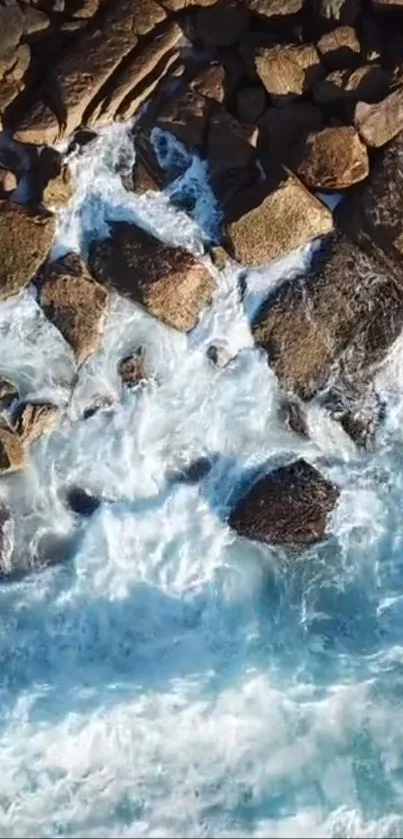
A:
(290, 103)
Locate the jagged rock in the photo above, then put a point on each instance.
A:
(281, 130)
(378, 124)
(268, 223)
(210, 82)
(222, 24)
(190, 473)
(26, 238)
(8, 392)
(340, 49)
(6, 537)
(369, 83)
(339, 321)
(168, 282)
(232, 160)
(334, 158)
(287, 72)
(250, 102)
(289, 506)
(84, 67)
(275, 8)
(36, 420)
(59, 190)
(75, 303)
(132, 369)
(8, 182)
(12, 451)
(102, 402)
(167, 69)
(187, 118)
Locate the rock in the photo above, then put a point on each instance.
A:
(337, 323)
(26, 238)
(334, 158)
(387, 5)
(132, 369)
(187, 117)
(13, 81)
(293, 415)
(75, 303)
(8, 392)
(6, 538)
(232, 160)
(191, 473)
(289, 506)
(11, 27)
(343, 11)
(250, 103)
(275, 8)
(168, 70)
(379, 123)
(102, 402)
(340, 49)
(282, 130)
(369, 83)
(142, 179)
(36, 420)
(269, 223)
(371, 39)
(82, 502)
(287, 72)
(12, 452)
(178, 5)
(374, 217)
(222, 24)
(87, 9)
(34, 21)
(8, 182)
(168, 282)
(59, 190)
(210, 82)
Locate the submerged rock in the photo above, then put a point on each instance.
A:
(132, 369)
(26, 237)
(169, 282)
(8, 392)
(289, 506)
(82, 501)
(36, 420)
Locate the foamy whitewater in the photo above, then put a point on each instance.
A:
(168, 678)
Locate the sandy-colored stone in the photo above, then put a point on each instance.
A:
(26, 238)
(12, 451)
(288, 71)
(334, 158)
(36, 420)
(340, 49)
(59, 190)
(210, 82)
(274, 8)
(369, 83)
(379, 123)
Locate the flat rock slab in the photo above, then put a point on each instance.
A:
(75, 303)
(289, 506)
(269, 223)
(26, 238)
(168, 282)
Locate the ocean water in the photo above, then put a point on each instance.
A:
(168, 678)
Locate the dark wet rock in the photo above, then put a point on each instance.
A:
(269, 223)
(379, 123)
(334, 158)
(142, 179)
(251, 102)
(360, 412)
(26, 237)
(8, 392)
(187, 118)
(12, 451)
(132, 369)
(192, 473)
(345, 87)
(75, 303)
(289, 506)
(82, 502)
(100, 403)
(293, 415)
(340, 49)
(281, 131)
(232, 159)
(219, 355)
(168, 282)
(222, 24)
(287, 72)
(339, 322)
(35, 420)
(80, 139)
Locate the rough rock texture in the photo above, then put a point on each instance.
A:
(267, 224)
(59, 190)
(177, 5)
(375, 216)
(274, 8)
(369, 83)
(334, 158)
(210, 82)
(222, 24)
(75, 303)
(288, 71)
(339, 49)
(132, 369)
(26, 238)
(169, 282)
(186, 117)
(289, 506)
(380, 123)
(12, 451)
(8, 182)
(281, 131)
(337, 323)
(36, 420)
(8, 392)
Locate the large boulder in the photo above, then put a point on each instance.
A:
(378, 124)
(289, 71)
(167, 281)
(75, 303)
(334, 158)
(26, 237)
(266, 223)
(290, 506)
(335, 325)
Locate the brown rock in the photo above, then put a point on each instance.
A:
(288, 71)
(378, 124)
(132, 369)
(340, 49)
(36, 420)
(75, 304)
(8, 392)
(251, 102)
(34, 21)
(337, 323)
(13, 81)
(87, 9)
(177, 5)
(281, 130)
(222, 24)
(12, 452)
(334, 158)
(168, 282)
(210, 82)
(11, 27)
(231, 158)
(169, 67)
(269, 223)
(143, 180)
(26, 238)
(289, 506)
(8, 182)
(369, 83)
(59, 190)
(274, 8)
(187, 117)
